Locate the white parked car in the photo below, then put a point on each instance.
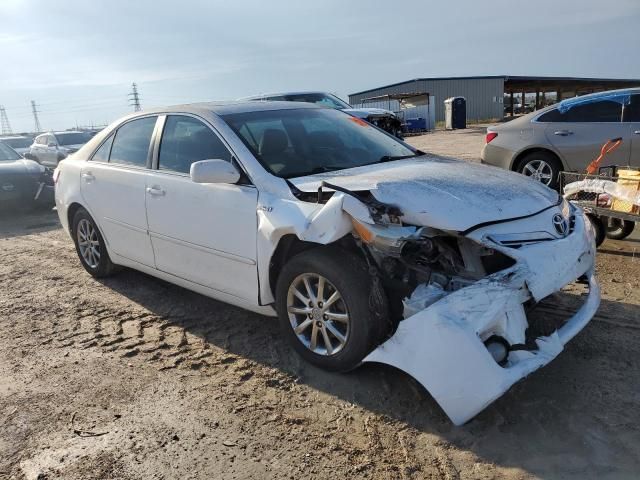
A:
(365, 248)
(49, 148)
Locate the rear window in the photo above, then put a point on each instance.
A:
(131, 143)
(17, 142)
(604, 111)
(73, 138)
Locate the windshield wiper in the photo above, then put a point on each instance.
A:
(391, 158)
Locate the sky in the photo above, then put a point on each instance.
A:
(78, 58)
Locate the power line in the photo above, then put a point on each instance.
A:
(4, 121)
(135, 98)
(34, 109)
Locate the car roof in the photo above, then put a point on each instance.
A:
(230, 107)
(278, 94)
(12, 137)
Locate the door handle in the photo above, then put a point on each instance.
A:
(155, 191)
(563, 133)
(637, 132)
(88, 176)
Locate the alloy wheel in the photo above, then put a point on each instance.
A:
(318, 314)
(88, 243)
(538, 170)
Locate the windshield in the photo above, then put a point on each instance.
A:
(324, 99)
(8, 153)
(73, 138)
(17, 142)
(294, 143)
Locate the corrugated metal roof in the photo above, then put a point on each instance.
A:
(507, 78)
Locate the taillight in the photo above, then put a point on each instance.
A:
(490, 136)
(56, 175)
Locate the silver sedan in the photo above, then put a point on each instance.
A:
(568, 136)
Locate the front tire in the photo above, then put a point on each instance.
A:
(331, 310)
(90, 245)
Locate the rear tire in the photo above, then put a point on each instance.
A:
(541, 166)
(354, 324)
(90, 245)
(618, 229)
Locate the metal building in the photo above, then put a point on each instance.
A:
(487, 96)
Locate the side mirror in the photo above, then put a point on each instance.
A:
(214, 171)
(52, 145)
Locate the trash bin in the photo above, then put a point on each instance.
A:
(455, 113)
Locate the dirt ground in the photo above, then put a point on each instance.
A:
(132, 377)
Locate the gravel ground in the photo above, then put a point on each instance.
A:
(131, 377)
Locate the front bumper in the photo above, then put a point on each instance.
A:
(442, 346)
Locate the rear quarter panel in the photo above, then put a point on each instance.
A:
(514, 139)
(68, 189)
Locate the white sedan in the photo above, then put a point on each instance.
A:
(365, 248)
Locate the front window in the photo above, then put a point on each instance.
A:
(324, 99)
(74, 138)
(632, 111)
(294, 143)
(8, 153)
(186, 140)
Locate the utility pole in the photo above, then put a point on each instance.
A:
(4, 121)
(134, 98)
(34, 109)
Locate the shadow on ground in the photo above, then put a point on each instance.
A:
(541, 417)
(15, 223)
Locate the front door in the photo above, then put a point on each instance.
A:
(580, 133)
(113, 186)
(205, 233)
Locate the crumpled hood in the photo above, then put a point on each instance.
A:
(367, 112)
(442, 193)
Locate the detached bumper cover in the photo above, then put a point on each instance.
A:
(442, 346)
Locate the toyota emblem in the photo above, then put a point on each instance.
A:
(560, 224)
(7, 187)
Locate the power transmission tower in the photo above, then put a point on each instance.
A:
(34, 109)
(4, 121)
(134, 99)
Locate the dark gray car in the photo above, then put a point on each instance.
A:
(24, 184)
(381, 118)
(568, 136)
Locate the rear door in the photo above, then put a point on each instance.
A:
(579, 133)
(632, 120)
(204, 233)
(113, 186)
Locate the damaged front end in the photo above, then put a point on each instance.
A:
(461, 300)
